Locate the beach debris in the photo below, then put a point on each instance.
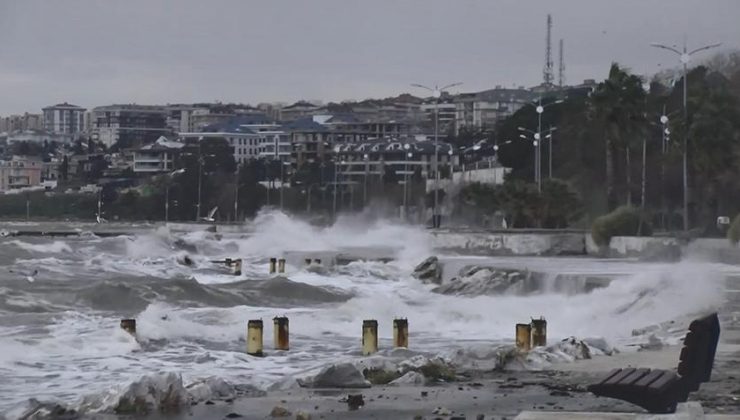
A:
(429, 271)
(355, 401)
(279, 411)
(441, 411)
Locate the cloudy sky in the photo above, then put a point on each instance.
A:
(91, 52)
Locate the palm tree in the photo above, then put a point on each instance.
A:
(617, 104)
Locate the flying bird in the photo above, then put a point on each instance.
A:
(210, 217)
(29, 276)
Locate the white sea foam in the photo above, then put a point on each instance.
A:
(82, 352)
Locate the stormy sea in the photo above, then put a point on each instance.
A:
(62, 299)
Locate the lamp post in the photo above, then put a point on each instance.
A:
(685, 58)
(436, 93)
(549, 138)
(538, 167)
(366, 157)
(408, 155)
(282, 186)
(336, 172)
(200, 180)
(535, 142)
(236, 193)
(170, 176)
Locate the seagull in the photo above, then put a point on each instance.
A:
(211, 213)
(29, 277)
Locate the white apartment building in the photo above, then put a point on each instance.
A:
(64, 119)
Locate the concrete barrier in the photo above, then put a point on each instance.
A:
(511, 243)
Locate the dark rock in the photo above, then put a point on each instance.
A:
(429, 271)
(478, 280)
(279, 411)
(209, 402)
(233, 415)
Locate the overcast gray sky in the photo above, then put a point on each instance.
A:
(92, 53)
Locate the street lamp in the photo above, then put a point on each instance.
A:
(366, 157)
(540, 108)
(685, 58)
(535, 137)
(436, 93)
(200, 180)
(336, 151)
(282, 186)
(170, 176)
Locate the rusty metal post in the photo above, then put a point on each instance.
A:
(523, 337)
(539, 332)
(129, 325)
(317, 261)
(236, 267)
(401, 332)
(307, 261)
(281, 265)
(254, 337)
(369, 337)
(280, 333)
(273, 261)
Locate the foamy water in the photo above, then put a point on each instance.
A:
(60, 340)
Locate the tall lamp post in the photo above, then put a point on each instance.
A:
(200, 179)
(336, 172)
(535, 143)
(407, 148)
(366, 157)
(170, 176)
(236, 193)
(685, 58)
(436, 93)
(540, 108)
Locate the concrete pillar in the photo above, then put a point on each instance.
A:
(369, 337)
(401, 332)
(254, 337)
(539, 332)
(236, 267)
(129, 325)
(523, 337)
(273, 262)
(280, 333)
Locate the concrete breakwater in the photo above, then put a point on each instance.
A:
(574, 243)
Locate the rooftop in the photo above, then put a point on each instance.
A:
(64, 105)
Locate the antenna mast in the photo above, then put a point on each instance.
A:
(547, 72)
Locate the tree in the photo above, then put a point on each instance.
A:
(560, 204)
(618, 105)
(64, 168)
